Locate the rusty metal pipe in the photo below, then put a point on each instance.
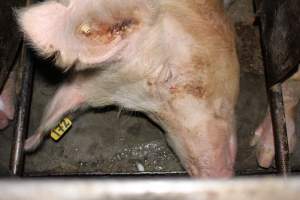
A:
(279, 129)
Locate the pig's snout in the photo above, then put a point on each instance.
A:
(215, 166)
(207, 149)
(212, 172)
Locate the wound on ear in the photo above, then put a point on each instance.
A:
(105, 33)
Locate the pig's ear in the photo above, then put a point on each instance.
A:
(42, 24)
(102, 41)
(102, 33)
(84, 32)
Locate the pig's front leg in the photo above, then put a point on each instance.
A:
(203, 138)
(264, 139)
(7, 101)
(67, 99)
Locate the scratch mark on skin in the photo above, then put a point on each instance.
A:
(195, 89)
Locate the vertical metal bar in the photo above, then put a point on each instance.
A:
(279, 129)
(16, 164)
(274, 92)
(17, 158)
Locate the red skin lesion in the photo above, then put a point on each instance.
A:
(106, 33)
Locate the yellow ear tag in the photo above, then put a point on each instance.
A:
(61, 129)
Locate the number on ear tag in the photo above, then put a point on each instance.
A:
(61, 129)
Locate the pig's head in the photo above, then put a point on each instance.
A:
(86, 33)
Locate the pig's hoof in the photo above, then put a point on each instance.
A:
(264, 147)
(32, 143)
(3, 120)
(265, 156)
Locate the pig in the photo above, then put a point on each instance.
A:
(7, 101)
(263, 137)
(175, 61)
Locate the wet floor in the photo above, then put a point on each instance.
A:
(110, 141)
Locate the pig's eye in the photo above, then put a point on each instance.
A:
(105, 33)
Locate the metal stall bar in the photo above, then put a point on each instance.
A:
(280, 37)
(241, 173)
(279, 129)
(17, 155)
(278, 118)
(236, 189)
(16, 164)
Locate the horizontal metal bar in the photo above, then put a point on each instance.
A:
(100, 174)
(251, 172)
(236, 189)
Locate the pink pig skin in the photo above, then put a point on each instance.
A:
(7, 101)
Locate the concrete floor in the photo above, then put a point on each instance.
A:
(108, 142)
